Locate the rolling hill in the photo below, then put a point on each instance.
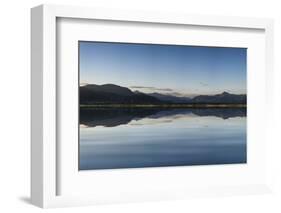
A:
(113, 94)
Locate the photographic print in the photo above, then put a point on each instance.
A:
(157, 105)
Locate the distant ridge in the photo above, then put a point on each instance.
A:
(114, 94)
(170, 98)
(224, 97)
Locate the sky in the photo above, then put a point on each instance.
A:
(170, 69)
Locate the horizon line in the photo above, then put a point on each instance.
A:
(169, 91)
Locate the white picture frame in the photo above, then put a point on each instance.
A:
(45, 157)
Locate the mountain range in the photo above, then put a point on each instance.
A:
(114, 94)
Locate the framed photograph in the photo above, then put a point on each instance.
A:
(130, 106)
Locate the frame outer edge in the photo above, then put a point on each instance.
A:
(49, 106)
(37, 106)
(270, 102)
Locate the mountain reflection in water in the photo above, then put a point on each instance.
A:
(112, 117)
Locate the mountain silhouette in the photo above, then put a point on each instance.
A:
(224, 97)
(114, 94)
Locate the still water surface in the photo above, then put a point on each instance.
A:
(134, 138)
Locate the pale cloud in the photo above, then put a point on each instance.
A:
(203, 84)
(166, 91)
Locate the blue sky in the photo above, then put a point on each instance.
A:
(172, 69)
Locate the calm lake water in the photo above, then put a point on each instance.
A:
(134, 138)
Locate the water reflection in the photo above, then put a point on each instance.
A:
(111, 117)
(136, 138)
